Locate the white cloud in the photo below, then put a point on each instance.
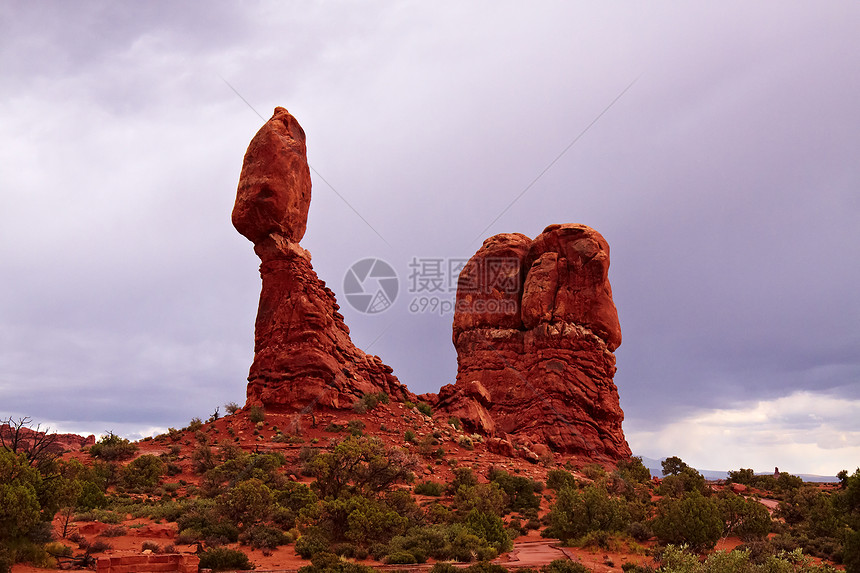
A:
(803, 432)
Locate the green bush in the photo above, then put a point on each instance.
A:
(519, 490)
(143, 473)
(223, 559)
(746, 518)
(632, 469)
(564, 566)
(594, 471)
(576, 513)
(557, 479)
(490, 528)
(370, 401)
(425, 408)
(851, 552)
(430, 488)
(113, 448)
(686, 480)
(401, 558)
(312, 541)
(256, 414)
(692, 519)
(264, 537)
(248, 502)
(359, 464)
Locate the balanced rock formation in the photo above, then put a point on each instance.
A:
(535, 329)
(303, 355)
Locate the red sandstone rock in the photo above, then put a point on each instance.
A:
(303, 355)
(275, 184)
(490, 285)
(546, 362)
(22, 438)
(568, 281)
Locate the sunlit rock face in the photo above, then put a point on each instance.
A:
(303, 355)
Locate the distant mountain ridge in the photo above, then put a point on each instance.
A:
(656, 468)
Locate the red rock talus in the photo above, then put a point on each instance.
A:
(303, 355)
(535, 329)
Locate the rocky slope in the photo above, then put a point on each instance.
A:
(303, 355)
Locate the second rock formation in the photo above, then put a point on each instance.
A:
(535, 329)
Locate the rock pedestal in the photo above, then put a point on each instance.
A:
(303, 355)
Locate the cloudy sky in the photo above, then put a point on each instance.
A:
(715, 147)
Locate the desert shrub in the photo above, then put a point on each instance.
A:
(465, 442)
(463, 477)
(99, 546)
(58, 549)
(151, 546)
(401, 558)
(359, 464)
(248, 502)
(264, 537)
(594, 471)
(851, 552)
(519, 490)
(686, 480)
(101, 515)
(484, 497)
(361, 520)
(143, 473)
(425, 408)
(231, 407)
(113, 448)
(194, 425)
(557, 479)
(327, 562)
(203, 520)
(356, 427)
(748, 519)
(639, 531)
(693, 519)
(370, 401)
(203, 459)
(430, 488)
(256, 414)
(114, 531)
(409, 436)
(742, 476)
(564, 566)
(633, 470)
(312, 541)
(223, 559)
(455, 422)
(490, 528)
(576, 513)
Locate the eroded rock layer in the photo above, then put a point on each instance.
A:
(303, 355)
(535, 328)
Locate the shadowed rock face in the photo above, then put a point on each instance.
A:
(535, 329)
(303, 355)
